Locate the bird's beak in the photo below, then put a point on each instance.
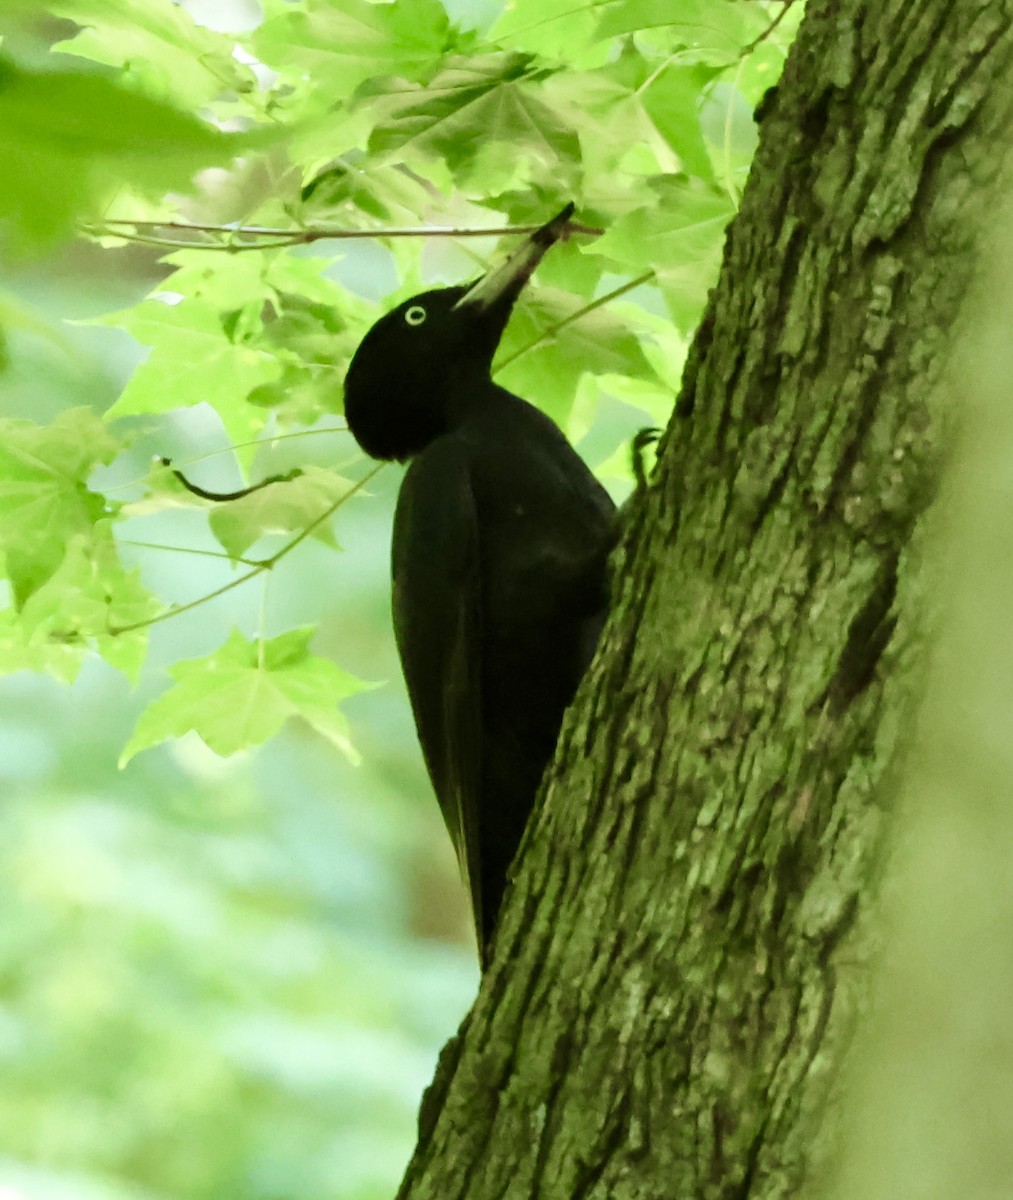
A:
(504, 283)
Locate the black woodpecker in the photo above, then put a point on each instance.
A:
(501, 539)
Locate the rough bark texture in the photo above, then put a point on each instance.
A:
(674, 976)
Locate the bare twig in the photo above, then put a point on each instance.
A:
(235, 238)
(747, 50)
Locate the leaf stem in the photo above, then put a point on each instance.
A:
(264, 441)
(260, 565)
(223, 497)
(786, 6)
(248, 562)
(552, 330)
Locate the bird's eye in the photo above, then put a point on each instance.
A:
(415, 315)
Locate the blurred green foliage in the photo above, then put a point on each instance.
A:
(209, 987)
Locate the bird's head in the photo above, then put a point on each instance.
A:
(420, 365)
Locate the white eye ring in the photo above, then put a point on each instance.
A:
(416, 315)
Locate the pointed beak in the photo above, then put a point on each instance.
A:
(504, 283)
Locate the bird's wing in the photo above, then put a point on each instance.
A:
(436, 603)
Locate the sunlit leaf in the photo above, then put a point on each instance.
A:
(44, 495)
(243, 693)
(193, 361)
(708, 30)
(91, 604)
(473, 102)
(282, 507)
(545, 352)
(680, 237)
(551, 27)
(158, 46)
(346, 41)
(672, 101)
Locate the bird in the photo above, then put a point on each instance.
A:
(499, 558)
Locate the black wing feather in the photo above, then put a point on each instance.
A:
(437, 616)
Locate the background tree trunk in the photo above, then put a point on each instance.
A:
(679, 960)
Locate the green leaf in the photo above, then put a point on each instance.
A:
(711, 30)
(313, 333)
(44, 496)
(162, 491)
(315, 343)
(193, 360)
(681, 237)
(672, 101)
(339, 44)
(279, 508)
(244, 692)
(472, 104)
(158, 45)
(21, 651)
(639, 116)
(383, 192)
(244, 333)
(19, 16)
(552, 355)
(70, 138)
(554, 28)
(762, 69)
(89, 600)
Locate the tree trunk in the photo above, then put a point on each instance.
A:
(679, 960)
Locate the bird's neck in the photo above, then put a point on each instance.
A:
(472, 397)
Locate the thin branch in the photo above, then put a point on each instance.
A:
(165, 243)
(552, 330)
(261, 565)
(271, 438)
(271, 238)
(747, 50)
(175, 610)
(219, 554)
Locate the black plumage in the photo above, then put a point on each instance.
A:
(501, 538)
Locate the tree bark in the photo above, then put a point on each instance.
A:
(679, 961)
